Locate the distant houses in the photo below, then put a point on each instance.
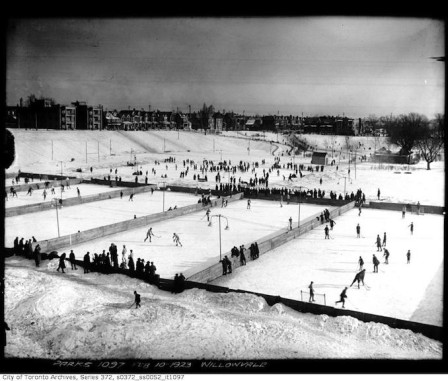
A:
(46, 114)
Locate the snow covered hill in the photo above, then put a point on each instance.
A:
(76, 315)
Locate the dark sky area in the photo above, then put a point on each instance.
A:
(355, 66)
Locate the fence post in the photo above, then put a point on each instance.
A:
(325, 300)
(301, 298)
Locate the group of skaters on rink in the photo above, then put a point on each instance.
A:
(150, 234)
(359, 277)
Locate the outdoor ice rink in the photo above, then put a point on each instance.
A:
(43, 225)
(406, 291)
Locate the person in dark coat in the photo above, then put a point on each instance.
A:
(224, 265)
(5, 328)
(72, 260)
(327, 235)
(410, 226)
(137, 300)
(37, 255)
(386, 256)
(181, 282)
(61, 263)
(176, 284)
(359, 278)
(384, 239)
(361, 263)
(376, 262)
(16, 246)
(378, 243)
(131, 264)
(408, 256)
(358, 231)
(86, 263)
(343, 296)
(311, 287)
(242, 256)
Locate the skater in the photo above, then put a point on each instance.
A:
(61, 263)
(379, 193)
(327, 235)
(412, 228)
(418, 207)
(37, 256)
(332, 223)
(376, 262)
(149, 234)
(360, 209)
(44, 193)
(359, 278)
(72, 260)
(384, 239)
(281, 201)
(137, 300)
(378, 243)
(358, 231)
(207, 213)
(311, 292)
(403, 212)
(408, 256)
(248, 204)
(290, 223)
(361, 263)
(131, 197)
(78, 192)
(343, 296)
(386, 256)
(176, 239)
(224, 265)
(121, 194)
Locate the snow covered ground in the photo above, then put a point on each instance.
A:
(75, 315)
(198, 324)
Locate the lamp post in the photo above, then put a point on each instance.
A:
(226, 228)
(300, 198)
(164, 187)
(56, 201)
(345, 182)
(61, 163)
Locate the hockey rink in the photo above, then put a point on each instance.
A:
(406, 291)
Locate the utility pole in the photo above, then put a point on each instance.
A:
(98, 151)
(52, 150)
(110, 147)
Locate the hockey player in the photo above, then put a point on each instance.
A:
(332, 223)
(359, 278)
(176, 239)
(411, 226)
(386, 256)
(149, 234)
(290, 223)
(207, 213)
(361, 263)
(44, 193)
(376, 262)
(343, 296)
(384, 239)
(327, 235)
(378, 243)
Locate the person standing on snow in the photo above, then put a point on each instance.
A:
(137, 300)
(358, 231)
(61, 263)
(327, 235)
(72, 260)
(343, 296)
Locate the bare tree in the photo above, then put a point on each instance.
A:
(431, 144)
(406, 130)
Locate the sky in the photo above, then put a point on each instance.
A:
(352, 66)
